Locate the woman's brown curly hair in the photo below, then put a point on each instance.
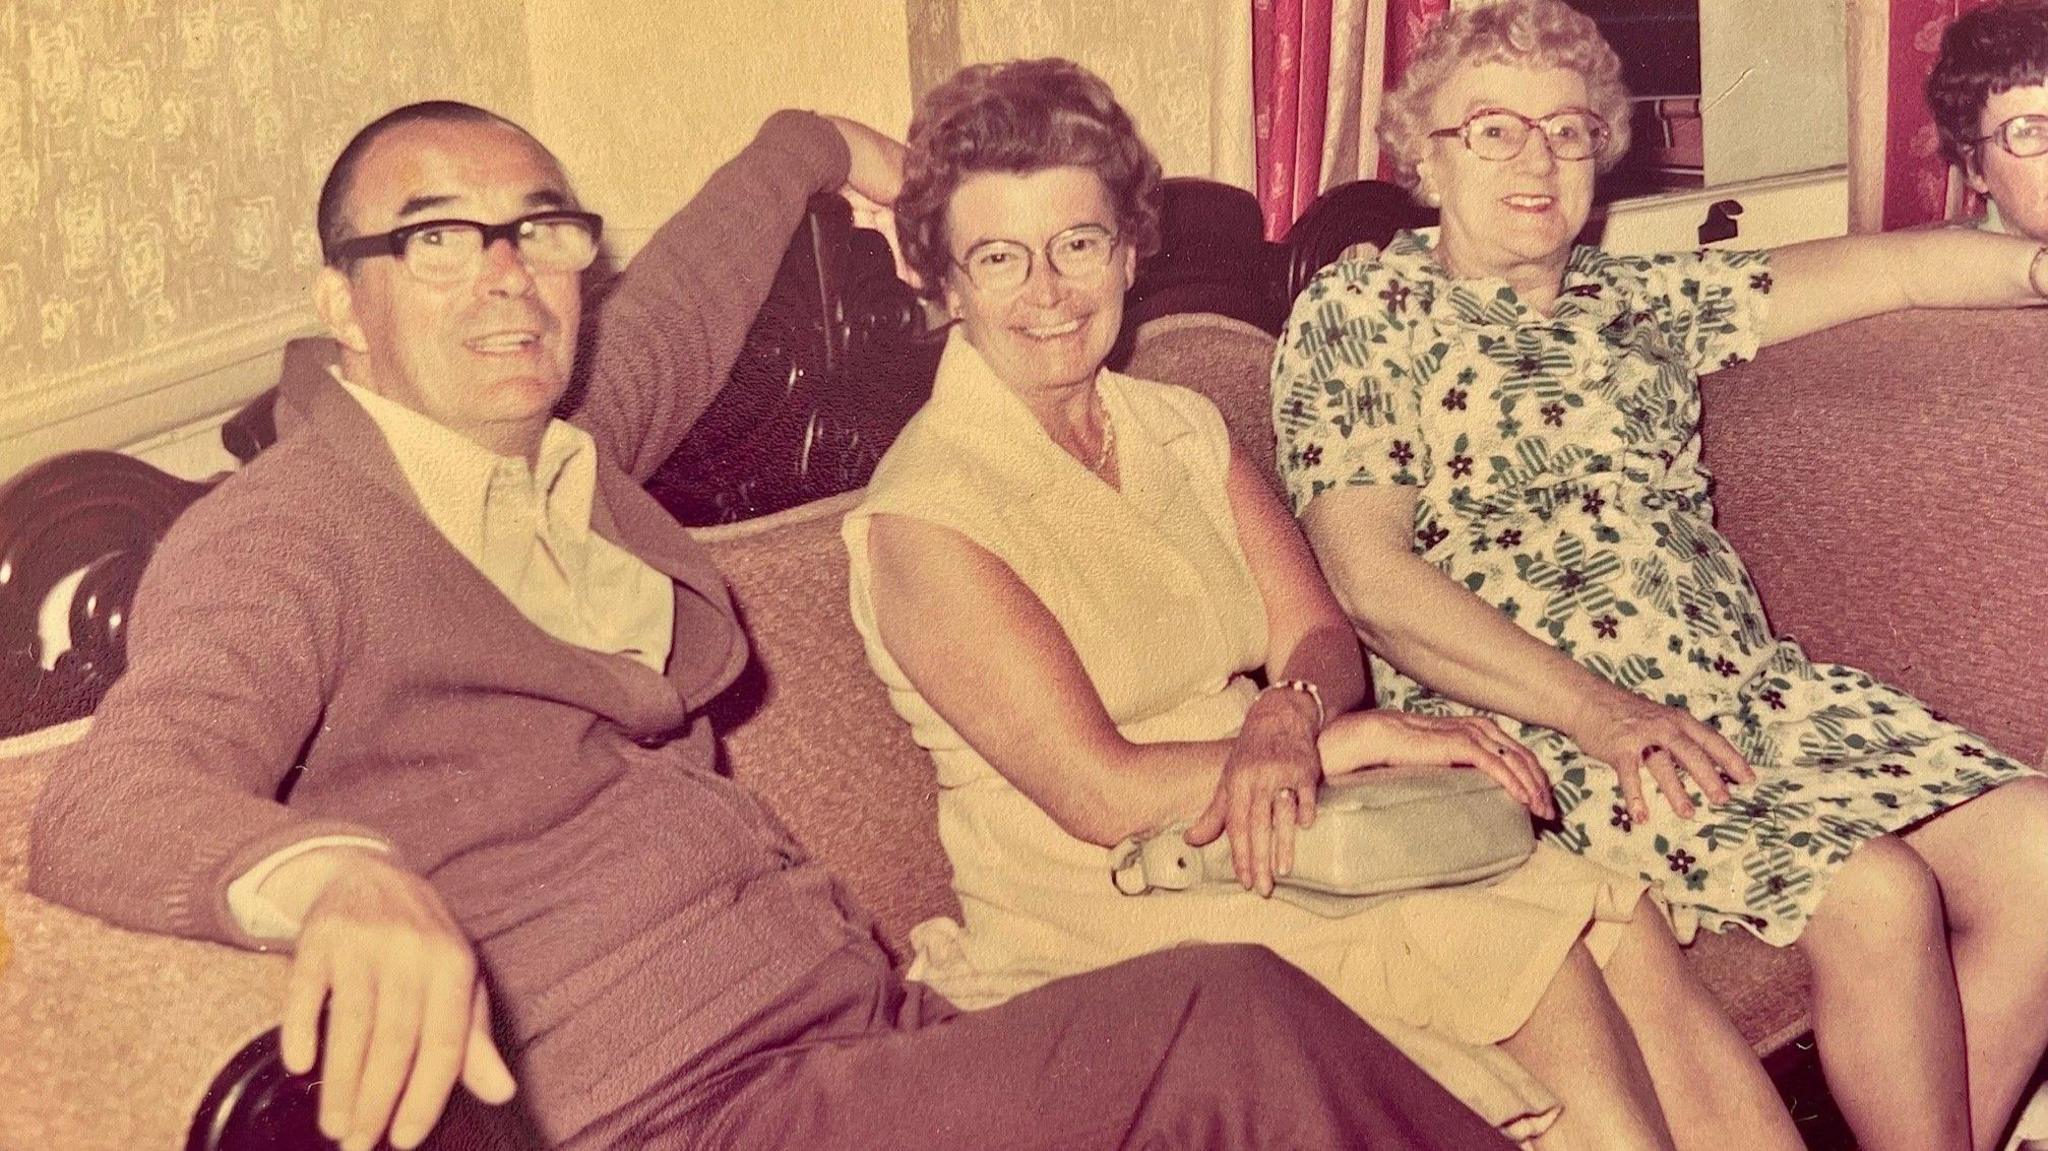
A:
(1983, 53)
(1019, 116)
(1525, 33)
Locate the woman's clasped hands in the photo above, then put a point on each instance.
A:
(1267, 791)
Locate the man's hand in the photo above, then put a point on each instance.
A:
(877, 169)
(873, 182)
(406, 1011)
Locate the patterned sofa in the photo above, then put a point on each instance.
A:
(1883, 479)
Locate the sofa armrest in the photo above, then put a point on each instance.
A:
(1887, 483)
(109, 1038)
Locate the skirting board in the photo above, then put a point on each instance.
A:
(148, 402)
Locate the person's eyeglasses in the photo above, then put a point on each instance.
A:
(2023, 136)
(1004, 265)
(1498, 134)
(443, 251)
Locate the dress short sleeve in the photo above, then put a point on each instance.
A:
(1345, 397)
(1711, 303)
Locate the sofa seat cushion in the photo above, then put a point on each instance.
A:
(1763, 988)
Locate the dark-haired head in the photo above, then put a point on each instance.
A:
(331, 219)
(1020, 116)
(1993, 49)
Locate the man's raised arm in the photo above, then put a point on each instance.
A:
(666, 337)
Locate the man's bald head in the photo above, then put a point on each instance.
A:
(332, 219)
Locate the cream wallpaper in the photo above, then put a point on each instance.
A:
(1167, 61)
(160, 159)
(643, 99)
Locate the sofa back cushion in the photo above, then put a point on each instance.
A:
(1885, 482)
(810, 728)
(1227, 360)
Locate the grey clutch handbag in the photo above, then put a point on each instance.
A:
(1378, 834)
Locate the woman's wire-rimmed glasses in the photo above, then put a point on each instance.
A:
(1079, 253)
(2022, 136)
(1499, 135)
(445, 251)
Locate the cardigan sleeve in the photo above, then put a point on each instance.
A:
(234, 640)
(665, 338)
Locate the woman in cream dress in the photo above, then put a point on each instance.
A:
(1064, 574)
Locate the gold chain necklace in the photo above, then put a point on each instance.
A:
(1108, 434)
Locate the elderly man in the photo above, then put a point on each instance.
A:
(1989, 95)
(487, 647)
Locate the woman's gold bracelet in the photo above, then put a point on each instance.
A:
(2034, 272)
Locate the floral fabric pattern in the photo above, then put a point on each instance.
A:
(1556, 462)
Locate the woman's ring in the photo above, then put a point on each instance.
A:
(1286, 793)
(1650, 749)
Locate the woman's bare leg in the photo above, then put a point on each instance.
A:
(1886, 1014)
(1714, 1093)
(1578, 1044)
(1991, 857)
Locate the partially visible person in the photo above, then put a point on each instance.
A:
(490, 650)
(1489, 434)
(1989, 94)
(1067, 578)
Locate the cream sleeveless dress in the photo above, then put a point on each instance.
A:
(1151, 586)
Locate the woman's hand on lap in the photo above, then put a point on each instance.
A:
(1632, 734)
(1267, 789)
(1381, 737)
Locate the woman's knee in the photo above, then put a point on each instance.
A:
(1992, 862)
(1885, 895)
(1649, 932)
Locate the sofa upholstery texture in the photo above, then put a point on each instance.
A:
(1885, 481)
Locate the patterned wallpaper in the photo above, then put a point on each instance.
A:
(160, 159)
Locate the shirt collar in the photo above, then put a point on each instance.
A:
(976, 403)
(463, 486)
(972, 405)
(1587, 297)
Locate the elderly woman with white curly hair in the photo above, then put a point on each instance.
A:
(1489, 434)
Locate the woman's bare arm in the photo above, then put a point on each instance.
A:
(1443, 635)
(994, 663)
(1821, 283)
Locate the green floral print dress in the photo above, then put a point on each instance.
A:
(1556, 462)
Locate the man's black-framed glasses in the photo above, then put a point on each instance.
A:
(1499, 135)
(442, 251)
(1079, 253)
(2022, 136)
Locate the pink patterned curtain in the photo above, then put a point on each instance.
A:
(1407, 22)
(1897, 176)
(1292, 65)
